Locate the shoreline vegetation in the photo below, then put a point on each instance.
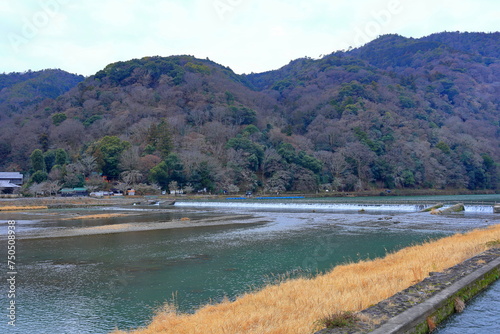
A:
(296, 306)
(23, 208)
(48, 202)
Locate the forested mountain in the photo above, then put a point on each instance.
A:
(19, 91)
(396, 113)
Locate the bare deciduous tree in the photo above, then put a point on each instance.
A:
(131, 177)
(173, 186)
(87, 165)
(130, 159)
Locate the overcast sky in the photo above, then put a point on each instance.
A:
(83, 36)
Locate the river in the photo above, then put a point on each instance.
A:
(480, 316)
(97, 283)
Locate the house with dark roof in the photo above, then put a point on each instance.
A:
(14, 178)
(10, 180)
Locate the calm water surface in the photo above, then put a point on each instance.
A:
(94, 284)
(481, 315)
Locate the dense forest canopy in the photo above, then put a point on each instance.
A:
(396, 113)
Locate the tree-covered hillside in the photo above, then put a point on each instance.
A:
(20, 92)
(398, 112)
(395, 113)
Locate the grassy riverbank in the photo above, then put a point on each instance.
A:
(295, 306)
(22, 208)
(29, 203)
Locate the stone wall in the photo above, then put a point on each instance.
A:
(422, 306)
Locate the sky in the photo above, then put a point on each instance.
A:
(83, 36)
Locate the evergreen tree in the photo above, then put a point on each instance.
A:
(160, 139)
(37, 161)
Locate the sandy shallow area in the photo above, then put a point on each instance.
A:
(98, 216)
(146, 226)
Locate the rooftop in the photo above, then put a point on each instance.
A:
(7, 184)
(10, 175)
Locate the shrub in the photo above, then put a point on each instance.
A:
(339, 319)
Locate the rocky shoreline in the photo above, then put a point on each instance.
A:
(377, 315)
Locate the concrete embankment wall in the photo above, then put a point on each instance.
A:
(419, 308)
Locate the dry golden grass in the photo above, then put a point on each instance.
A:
(110, 227)
(294, 306)
(22, 208)
(99, 216)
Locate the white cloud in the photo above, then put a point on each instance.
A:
(246, 35)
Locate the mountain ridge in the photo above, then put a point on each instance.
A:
(396, 113)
